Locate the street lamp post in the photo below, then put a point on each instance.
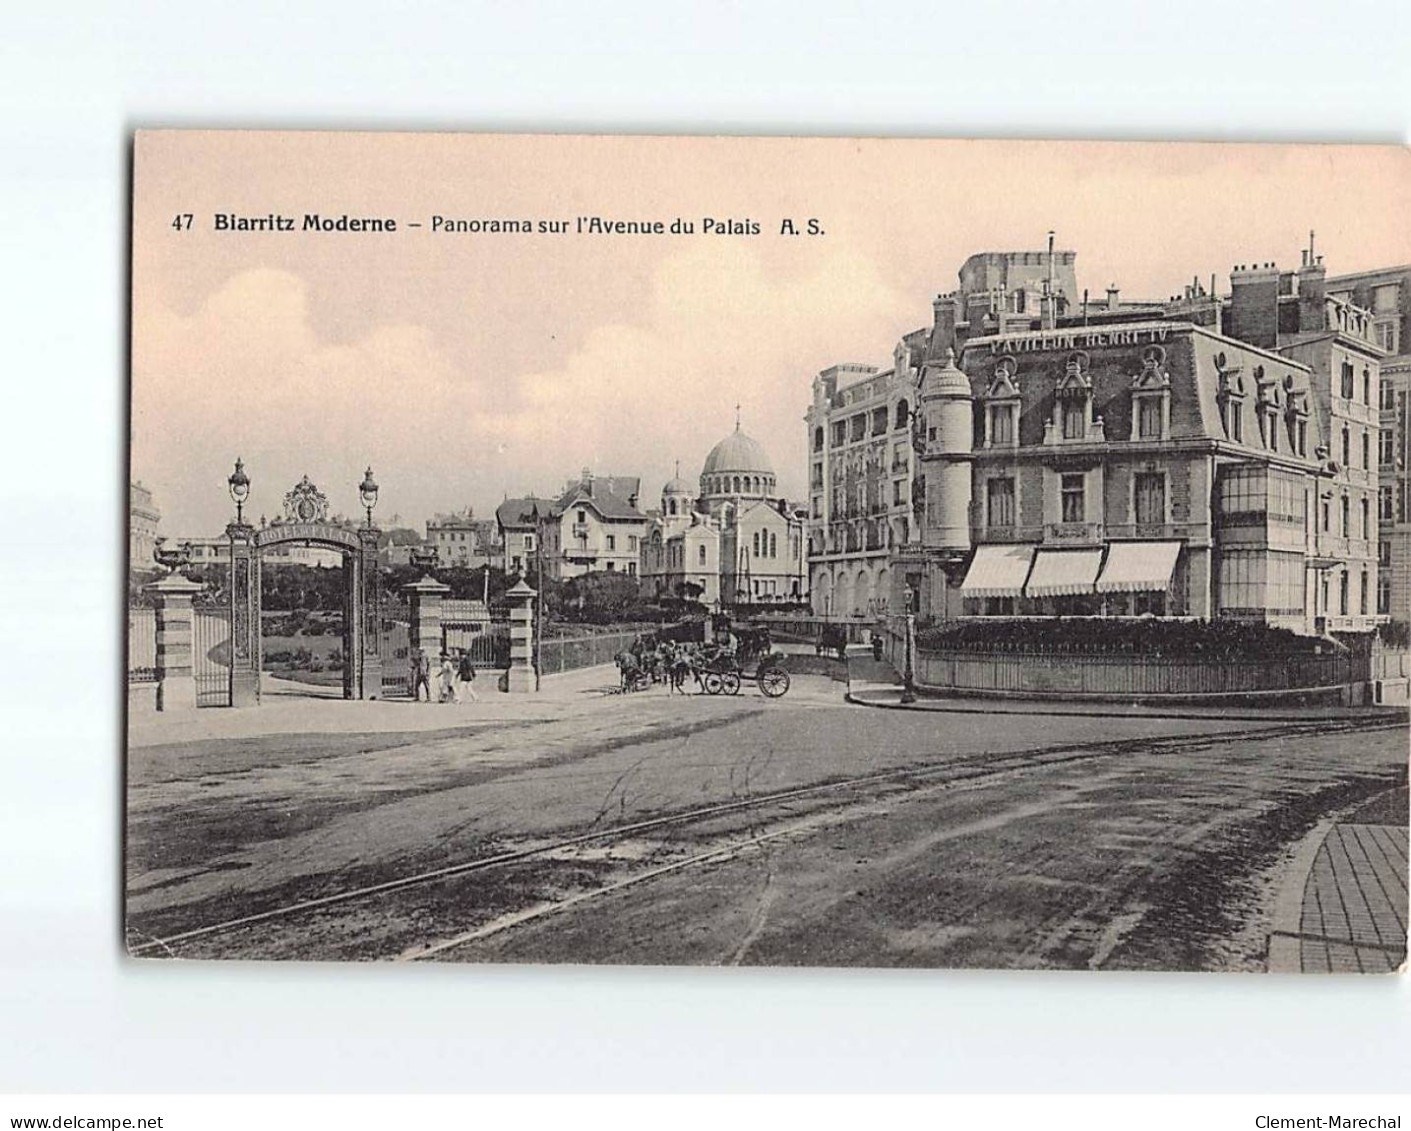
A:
(908, 689)
(239, 484)
(367, 491)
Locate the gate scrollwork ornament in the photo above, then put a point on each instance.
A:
(305, 503)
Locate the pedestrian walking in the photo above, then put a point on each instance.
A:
(421, 675)
(466, 674)
(447, 674)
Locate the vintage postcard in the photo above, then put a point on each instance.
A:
(797, 552)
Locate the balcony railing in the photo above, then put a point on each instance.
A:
(580, 530)
(1073, 533)
(1053, 434)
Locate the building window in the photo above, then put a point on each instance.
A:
(818, 439)
(1366, 518)
(612, 567)
(1362, 595)
(903, 412)
(1383, 594)
(1384, 553)
(1342, 593)
(999, 502)
(700, 555)
(1386, 444)
(773, 545)
(1384, 502)
(1150, 498)
(1347, 381)
(755, 543)
(1366, 450)
(1149, 419)
(1388, 396)
(1072, 495)
(1366, 385)
(632, 543)
(612, 541)
(631, 569)
(1346, 447)
(879, 422)
(1236, 422)
(1346, 517)
(1074, 420)
(1001, 424)
(1386, 336)
(1303, 437)
(582, 516)
(899, 492)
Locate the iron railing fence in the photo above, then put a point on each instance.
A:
(141, 645)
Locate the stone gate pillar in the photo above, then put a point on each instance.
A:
(244, 615)
(369, 616)
(176, 676)
(521, 673)
(424, 597)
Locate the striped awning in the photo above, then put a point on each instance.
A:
(997, 571)
(1062, 573)
(1138, 567)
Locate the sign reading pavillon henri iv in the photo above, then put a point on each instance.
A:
(1077, 339)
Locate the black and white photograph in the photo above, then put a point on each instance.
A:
(767, 551)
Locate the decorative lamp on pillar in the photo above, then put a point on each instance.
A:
(426, 559)
(367, 491)
(239, 489)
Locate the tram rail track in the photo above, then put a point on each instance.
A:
(901, 780)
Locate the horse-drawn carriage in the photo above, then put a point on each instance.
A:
(723, 673)
(719, 666)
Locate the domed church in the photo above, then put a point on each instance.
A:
(735, 541)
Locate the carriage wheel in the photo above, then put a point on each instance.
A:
(731, 683)
(712, 683)
(774, 682)
(640, 682)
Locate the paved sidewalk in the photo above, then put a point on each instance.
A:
(283, 710)
(1344, 907)
(867, 693)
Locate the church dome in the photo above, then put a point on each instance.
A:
(738, 452)
(676, 485)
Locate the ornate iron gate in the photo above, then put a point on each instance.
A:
(210, 656)
(469, 626)
(394, 645)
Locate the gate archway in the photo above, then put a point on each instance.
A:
(306, 523)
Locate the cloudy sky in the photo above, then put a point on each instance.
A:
(465, 367)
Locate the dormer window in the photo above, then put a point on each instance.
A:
(1296, 417)
(1002, 406)
(1230, 397)
(1073, 405)
(1268, 406)
(1151, 397)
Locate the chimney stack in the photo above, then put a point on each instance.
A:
(1112, 296)
(1254, 304)
(946, 309)
(1312, 290)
